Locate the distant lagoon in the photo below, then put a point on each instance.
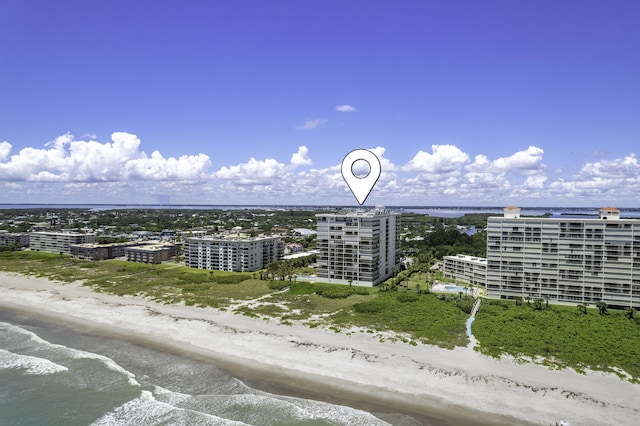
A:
(435, 211)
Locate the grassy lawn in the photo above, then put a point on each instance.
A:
(560, 337)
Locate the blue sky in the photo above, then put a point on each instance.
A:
(256, 102)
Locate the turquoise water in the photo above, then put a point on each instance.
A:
(87, 380)
(456, 288)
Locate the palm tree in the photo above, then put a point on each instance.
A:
(582, 308)
(418, 287)
(602, 307)
(629, 312)
(537, 304)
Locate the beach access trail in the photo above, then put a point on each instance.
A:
(355, 366)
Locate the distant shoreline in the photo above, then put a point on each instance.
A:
(354, 368)
(293, 206)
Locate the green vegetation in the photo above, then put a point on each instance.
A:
(561, 336)
(421, 317)
(431, 241)
(168, 283)
(404, 309)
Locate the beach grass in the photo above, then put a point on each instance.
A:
(168, 283)
(556, 336)
(559, 337)
(422, 317)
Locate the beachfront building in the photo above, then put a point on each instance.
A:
(13, 239)
(567, 260)
(232, 253)
(470, 269)
(150, 252)
(93, 251)
(359, 247)
(58, 242)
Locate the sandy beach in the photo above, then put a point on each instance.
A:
(354, 369)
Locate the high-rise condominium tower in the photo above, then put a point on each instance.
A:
(360, 247)
(566, 259)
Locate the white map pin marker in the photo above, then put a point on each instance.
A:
(361, 186)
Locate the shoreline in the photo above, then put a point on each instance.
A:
(428, 383)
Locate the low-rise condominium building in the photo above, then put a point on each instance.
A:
(470, 269)
(232, 253)
(150, 252)
(58, 242)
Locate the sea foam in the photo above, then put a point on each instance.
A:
(30, 364)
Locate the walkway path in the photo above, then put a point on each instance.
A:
(476, 307)
(474, 311)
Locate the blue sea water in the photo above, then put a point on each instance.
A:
(88, 380)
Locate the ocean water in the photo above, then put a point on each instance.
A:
(54, 376)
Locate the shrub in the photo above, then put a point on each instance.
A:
(407, 297)
(278, 285)
(370, 307)
(341, 292)
(196, 287)
(465, 305)
(230, 279)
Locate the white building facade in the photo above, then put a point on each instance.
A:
(470, 269)
(232, 254)
(567, 260)
(359, 247)
(58, 242)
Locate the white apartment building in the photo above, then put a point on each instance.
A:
(232, 254)
(13, 239)
(360, 247)
(58, 242)
(567, 260)
(151, 252)
(470, 269)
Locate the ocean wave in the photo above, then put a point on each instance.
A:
(31, 364)
(267, 408)
(146, 410)
(258, 407)
(17, 338)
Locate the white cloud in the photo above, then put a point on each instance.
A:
(301, 158)
(265, 173)
(253, 171)
(524, 162)
(120, 171)
(67, 160)
(529, 159)
(13, 186)
(444, 159)
(612, 181)
(312, 124)
(345, 108)
(621, 168)
(5, 149)
(535, 181)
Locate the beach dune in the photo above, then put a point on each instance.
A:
(457, 386)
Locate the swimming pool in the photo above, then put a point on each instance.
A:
(457, 288)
